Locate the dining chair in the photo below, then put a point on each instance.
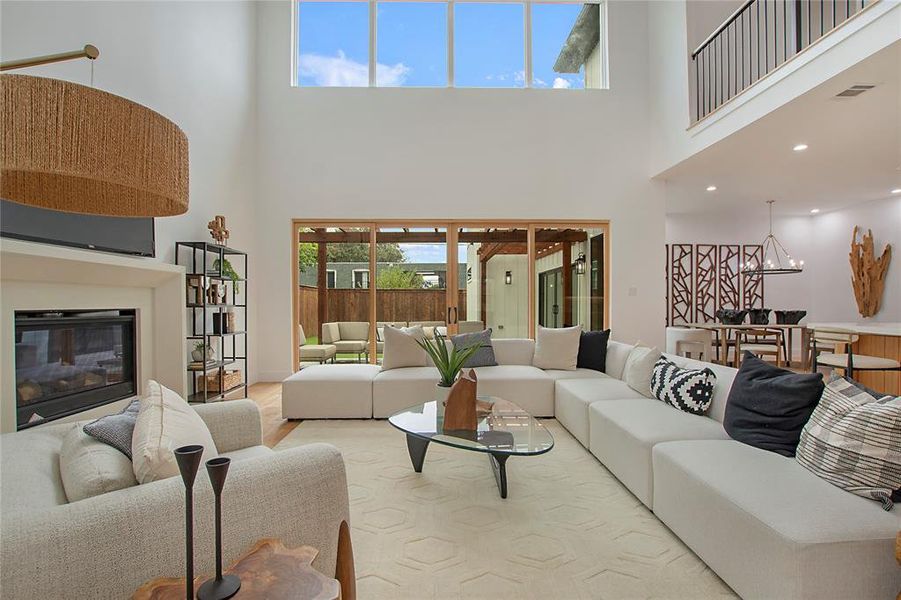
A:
(761, 342)
(690, 342)
(825, 341)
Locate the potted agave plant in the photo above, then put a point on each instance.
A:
(449, 363)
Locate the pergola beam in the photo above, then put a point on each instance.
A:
(465, 237)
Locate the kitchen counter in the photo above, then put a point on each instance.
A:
(891, 329)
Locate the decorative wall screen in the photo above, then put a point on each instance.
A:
(702, 278)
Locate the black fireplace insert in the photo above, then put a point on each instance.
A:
(69, 361)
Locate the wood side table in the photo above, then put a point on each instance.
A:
(268, 570)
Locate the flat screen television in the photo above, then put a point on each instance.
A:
(124, 235)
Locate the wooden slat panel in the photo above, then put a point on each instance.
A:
(705, 282)
(391, 305)
(681, 284)
(752, 285)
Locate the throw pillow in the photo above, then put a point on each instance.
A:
(116, 430)
(853, 441)
(401, 349)
(165, 422)
(769, 406)
(689, 390)
(557, 348)
(89, 468)
(484, 356)
(593, 350)
(640, 368)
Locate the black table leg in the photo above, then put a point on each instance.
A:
(499, 467)
(417, 447)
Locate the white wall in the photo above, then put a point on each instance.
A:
(421, 153)
(832, 298)
(874, 29)
(191, 61)
(822, 241)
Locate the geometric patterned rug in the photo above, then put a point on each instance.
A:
(568, 529)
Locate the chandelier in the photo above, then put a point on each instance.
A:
(775, 259)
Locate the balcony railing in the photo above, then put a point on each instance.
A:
(757, 39)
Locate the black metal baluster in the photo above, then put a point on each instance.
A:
(697, 89)
(822, 19)
(728, 93)
(758, 41)
(798, 32)
(785, 30)
(766, 38)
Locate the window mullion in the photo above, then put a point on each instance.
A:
(527, 42)
(450, 44)
(372, 43)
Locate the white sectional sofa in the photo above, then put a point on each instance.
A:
(767, 526)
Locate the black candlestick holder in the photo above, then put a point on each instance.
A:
(188, 459)
(221, 587)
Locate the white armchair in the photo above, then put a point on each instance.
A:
(106, 546)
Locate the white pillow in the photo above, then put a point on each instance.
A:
(557, 348)
(89, 468)
(401, 349)
(639, 369)
(166, 422)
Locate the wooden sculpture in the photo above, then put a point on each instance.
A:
(217, 230)
(460, 410)
(868, 273)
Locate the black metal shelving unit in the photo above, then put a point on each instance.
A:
(204, 263)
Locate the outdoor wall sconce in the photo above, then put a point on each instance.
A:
(508, 278)
(580, 264)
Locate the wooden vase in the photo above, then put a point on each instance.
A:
(460, 411)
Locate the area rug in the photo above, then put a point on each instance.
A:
(568, 530)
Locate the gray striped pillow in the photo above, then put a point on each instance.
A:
(853, 440)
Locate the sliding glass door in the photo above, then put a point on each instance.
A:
(352, 279)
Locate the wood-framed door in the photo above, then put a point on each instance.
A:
(456, 232)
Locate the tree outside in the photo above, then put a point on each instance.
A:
(398, 278)
(308, 253)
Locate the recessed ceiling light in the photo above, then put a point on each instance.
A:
(712, 188)
(814, 211)
(896, 191)
(800, 148)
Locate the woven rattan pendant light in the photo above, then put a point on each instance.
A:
(73, 148)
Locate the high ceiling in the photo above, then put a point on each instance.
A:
(854, 152)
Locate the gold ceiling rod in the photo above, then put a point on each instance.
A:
(90, 52)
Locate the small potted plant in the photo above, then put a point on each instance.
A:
(448, 362)
(202, 351)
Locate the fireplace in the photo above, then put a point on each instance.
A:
(70, 361)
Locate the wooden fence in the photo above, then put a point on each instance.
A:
(391, 305)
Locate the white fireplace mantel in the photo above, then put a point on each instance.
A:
(44, 277)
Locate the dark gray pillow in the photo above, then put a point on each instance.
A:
(484, 357)
(768, 406)
(116, 430)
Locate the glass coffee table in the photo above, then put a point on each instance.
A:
(505, 431)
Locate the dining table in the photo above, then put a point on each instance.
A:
(725, 333)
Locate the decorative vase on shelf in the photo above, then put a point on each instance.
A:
(759, 316)
(790, 317)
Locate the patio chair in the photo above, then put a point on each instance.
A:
(349, 337)
(320, 353)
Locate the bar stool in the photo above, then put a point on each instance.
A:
(847, 360)
(691, 343)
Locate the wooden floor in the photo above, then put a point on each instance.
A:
(269, 397)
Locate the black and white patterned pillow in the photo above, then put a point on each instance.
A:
(689, 390)
(853, 441)
(116, 430)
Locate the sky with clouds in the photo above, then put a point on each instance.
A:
(412, 44)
